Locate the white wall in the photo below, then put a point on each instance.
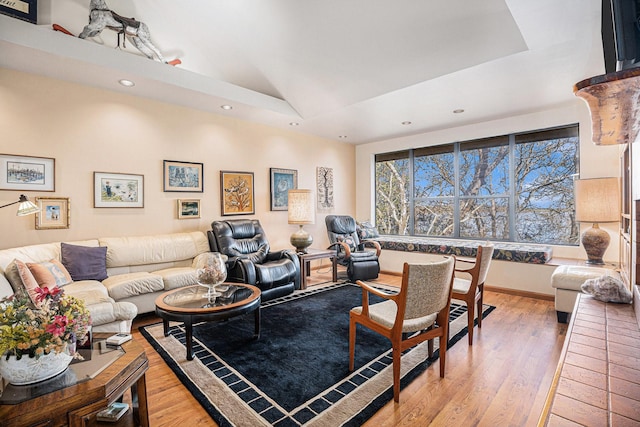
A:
(595, 161)
(87, 129)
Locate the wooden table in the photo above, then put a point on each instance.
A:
(79, 404)
(305, 263)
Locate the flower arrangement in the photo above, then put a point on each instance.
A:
(48, 324)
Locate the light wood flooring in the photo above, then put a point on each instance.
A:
(502, 380)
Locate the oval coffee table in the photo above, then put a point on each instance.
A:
(191, 305)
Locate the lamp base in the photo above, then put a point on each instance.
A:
(301, 240)
(595, 241)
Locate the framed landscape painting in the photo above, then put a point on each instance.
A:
(188, 208)
(236, 193)
(118, 190)
(282, 180)
(55, 212)
(27, 173)
(183, 177)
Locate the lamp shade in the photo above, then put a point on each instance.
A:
(301, 207)
(25, 207)
(597, 200)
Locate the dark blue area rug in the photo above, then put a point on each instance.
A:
(297, 372)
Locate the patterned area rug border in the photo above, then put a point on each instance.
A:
(349, 402)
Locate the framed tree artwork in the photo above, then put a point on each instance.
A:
(324, 182)
(27, 173)
(118, 190)
(55, 212)
(237, 193)
(183, 177)
(282, 180)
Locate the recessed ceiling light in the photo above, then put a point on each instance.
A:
(226, 107)
(342, 136)
(458, 111)
(126, 83)
(406, 123)
(294, 124)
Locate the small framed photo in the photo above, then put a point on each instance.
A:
(27, 10)
(236, 193)
(55, 212)
(282, 180)
(118, 190)
(27, 173)
(183, 177)
(188, 208)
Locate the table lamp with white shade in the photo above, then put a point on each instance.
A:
(302, 211)
(597, 200)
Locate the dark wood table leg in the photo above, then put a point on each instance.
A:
(256, 332)
(334, 266)
(139, 402)
(165, 326)
(303, 274)
(189, 328)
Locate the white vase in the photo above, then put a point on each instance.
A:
(29, 370)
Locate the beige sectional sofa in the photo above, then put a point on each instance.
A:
(138, 268)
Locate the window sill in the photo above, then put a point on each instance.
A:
(504, 251)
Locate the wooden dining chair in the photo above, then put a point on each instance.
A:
(471, 290)
(419, 312)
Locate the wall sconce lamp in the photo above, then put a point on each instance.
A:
(301, 211)
(597, 200)
(25, 207)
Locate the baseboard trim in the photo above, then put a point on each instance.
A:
(520, 293)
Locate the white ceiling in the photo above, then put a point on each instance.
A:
(354, 68)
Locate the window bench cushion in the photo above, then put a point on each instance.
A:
(504, 251)
(122, 286)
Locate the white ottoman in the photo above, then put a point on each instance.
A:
(567, 280)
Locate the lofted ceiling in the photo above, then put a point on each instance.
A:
(353, 70)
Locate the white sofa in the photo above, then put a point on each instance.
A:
(139, 269)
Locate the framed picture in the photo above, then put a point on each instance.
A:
(27, 10)
(183, 177)
(324, 183)
(118, 190)
(55, 212)
(26, 173)
(188, 208)
(236, 193)
(282, 180)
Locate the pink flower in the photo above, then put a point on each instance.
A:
(43, 293)
(58, 326)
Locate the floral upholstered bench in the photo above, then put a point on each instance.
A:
(516, 252)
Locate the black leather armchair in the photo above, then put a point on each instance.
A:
(250, 259)
(361, 263)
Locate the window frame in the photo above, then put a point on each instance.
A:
(456, 148)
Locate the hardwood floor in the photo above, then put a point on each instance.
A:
(501, 380)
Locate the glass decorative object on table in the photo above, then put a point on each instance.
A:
(210, 272)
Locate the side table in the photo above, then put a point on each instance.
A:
(305, 263)
(78, 404)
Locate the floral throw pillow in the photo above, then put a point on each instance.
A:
(367, 231)
(50, 274)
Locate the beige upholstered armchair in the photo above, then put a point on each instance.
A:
(419, 312)
(471, 289)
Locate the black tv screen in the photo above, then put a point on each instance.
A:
(620, 34)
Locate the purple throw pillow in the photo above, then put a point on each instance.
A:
(84, 262)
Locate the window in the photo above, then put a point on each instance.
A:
(512, 188)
